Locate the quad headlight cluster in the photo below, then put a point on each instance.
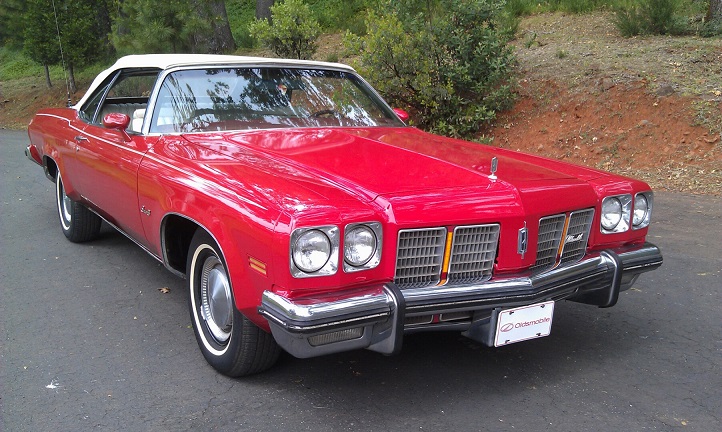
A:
(621, 212)
(315, 250)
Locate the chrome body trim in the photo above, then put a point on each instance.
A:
(128, 236)
(381, 309)
(29, 155)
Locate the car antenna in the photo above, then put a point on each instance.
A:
(62, 57)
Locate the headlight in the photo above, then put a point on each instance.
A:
(314, 251)
(642, 210)
(611, 213)
(362, 246)
(359, 246)
(616, 212)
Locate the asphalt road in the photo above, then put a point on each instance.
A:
(88, 342)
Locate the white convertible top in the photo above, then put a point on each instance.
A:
(166, 61)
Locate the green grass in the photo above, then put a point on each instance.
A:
(14, 65)
(529, 7)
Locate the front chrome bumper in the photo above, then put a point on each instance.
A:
(376, 317)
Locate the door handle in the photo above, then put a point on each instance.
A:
(79, 139)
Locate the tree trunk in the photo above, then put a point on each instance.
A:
(217, 39)
(263, 9)
(47, 76)
(715, 11)
(105, 25)
(120, 20)
(71, 80)
(222, 39)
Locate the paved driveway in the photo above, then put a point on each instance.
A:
(88, 342)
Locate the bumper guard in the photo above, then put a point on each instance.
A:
(376, 317)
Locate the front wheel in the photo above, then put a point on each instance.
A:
(77, 222)
(229, 341)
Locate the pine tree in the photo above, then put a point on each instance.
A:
(40, 35)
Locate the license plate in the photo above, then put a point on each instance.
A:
(524, 323)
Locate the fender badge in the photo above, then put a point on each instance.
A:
(494, 166)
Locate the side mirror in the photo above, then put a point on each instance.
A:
(403, 115)
(119, 122)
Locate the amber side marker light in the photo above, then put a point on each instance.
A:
(257, 265)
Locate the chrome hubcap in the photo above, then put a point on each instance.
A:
(66, 207)
(65, 204)
(216, 300)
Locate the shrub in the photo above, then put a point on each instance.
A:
(519, 8)
(446, 61)
(649, 17)
(292, 31)
(334, 15)
(711, 29)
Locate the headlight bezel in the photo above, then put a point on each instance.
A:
(374, 259)
(625, 213)
(330, 266)
(647, 217)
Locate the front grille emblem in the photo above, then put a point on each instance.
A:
(574, 238)
(523, 241)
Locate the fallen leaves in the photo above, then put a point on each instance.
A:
(164, 290)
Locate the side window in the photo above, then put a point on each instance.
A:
(128, 95)
(133, 86)
(88, 111)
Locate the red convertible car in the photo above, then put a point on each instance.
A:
(307, 216)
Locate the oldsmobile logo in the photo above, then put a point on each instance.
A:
(521, 324)
(574, 238)
(507, 327)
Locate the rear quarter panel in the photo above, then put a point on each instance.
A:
(52, 131)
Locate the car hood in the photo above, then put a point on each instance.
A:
(393, 162)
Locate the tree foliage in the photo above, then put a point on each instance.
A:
(50, 25)
(197, 26)
(142, 26)
(291, 32)
(40, 44)
(445, 60)
(11, 22)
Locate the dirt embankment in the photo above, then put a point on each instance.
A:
(646, 107)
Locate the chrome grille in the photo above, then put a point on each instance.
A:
(550, 235)
(473, 252)
(419, 257)
(575, 242)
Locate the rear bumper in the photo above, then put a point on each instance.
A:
(377, 317)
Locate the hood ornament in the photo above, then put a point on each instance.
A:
(494, 166)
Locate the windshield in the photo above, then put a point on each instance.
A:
(256, 98)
